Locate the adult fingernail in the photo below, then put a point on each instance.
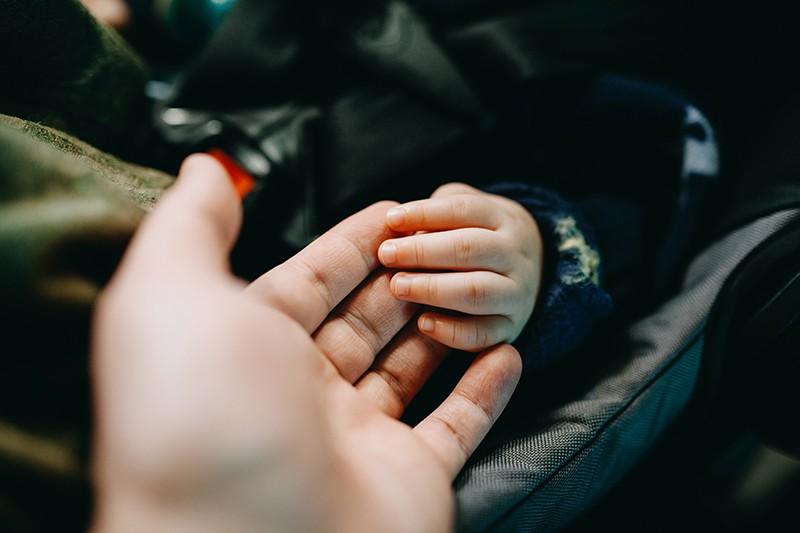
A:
(426, 324)
(387, 253)
(395, 216)
(402, 285)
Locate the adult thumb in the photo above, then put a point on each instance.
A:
(195, 223)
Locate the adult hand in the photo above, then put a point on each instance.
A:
(227, 407)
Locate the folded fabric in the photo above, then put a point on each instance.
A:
(67, 211)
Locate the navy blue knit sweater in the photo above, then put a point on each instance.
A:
(625, 186)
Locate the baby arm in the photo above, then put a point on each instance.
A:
(474, 258)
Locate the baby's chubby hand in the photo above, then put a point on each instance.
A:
(474, 258)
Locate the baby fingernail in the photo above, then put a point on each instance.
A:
(426, 324)
(395, 216)
(387, 253)
(402, 285)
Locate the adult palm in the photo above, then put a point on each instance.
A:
(272, 405)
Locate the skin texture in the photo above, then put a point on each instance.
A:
(273, 406)
(475, 259)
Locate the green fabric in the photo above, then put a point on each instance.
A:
(59, 67)
(72, 94)
(58, 193)
(67, 211)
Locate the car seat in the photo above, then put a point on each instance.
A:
(691, 423)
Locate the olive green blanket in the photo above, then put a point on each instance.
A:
(72, 95)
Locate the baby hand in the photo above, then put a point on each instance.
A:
(467, 251)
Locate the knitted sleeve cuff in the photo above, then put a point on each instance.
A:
(571, 299)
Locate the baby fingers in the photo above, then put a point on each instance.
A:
(462, 249)
(469, 333)
(480, 293)
(475, 209)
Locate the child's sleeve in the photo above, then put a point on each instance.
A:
(638, 166)
(572, 298)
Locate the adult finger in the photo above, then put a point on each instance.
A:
(454, 430)
(310, 284)
(402, 369)
(193, 226)
(361, 326)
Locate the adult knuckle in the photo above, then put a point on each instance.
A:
(397, 388)
(457, 432)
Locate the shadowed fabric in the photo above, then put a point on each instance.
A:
(63, 69)
(67, 211)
